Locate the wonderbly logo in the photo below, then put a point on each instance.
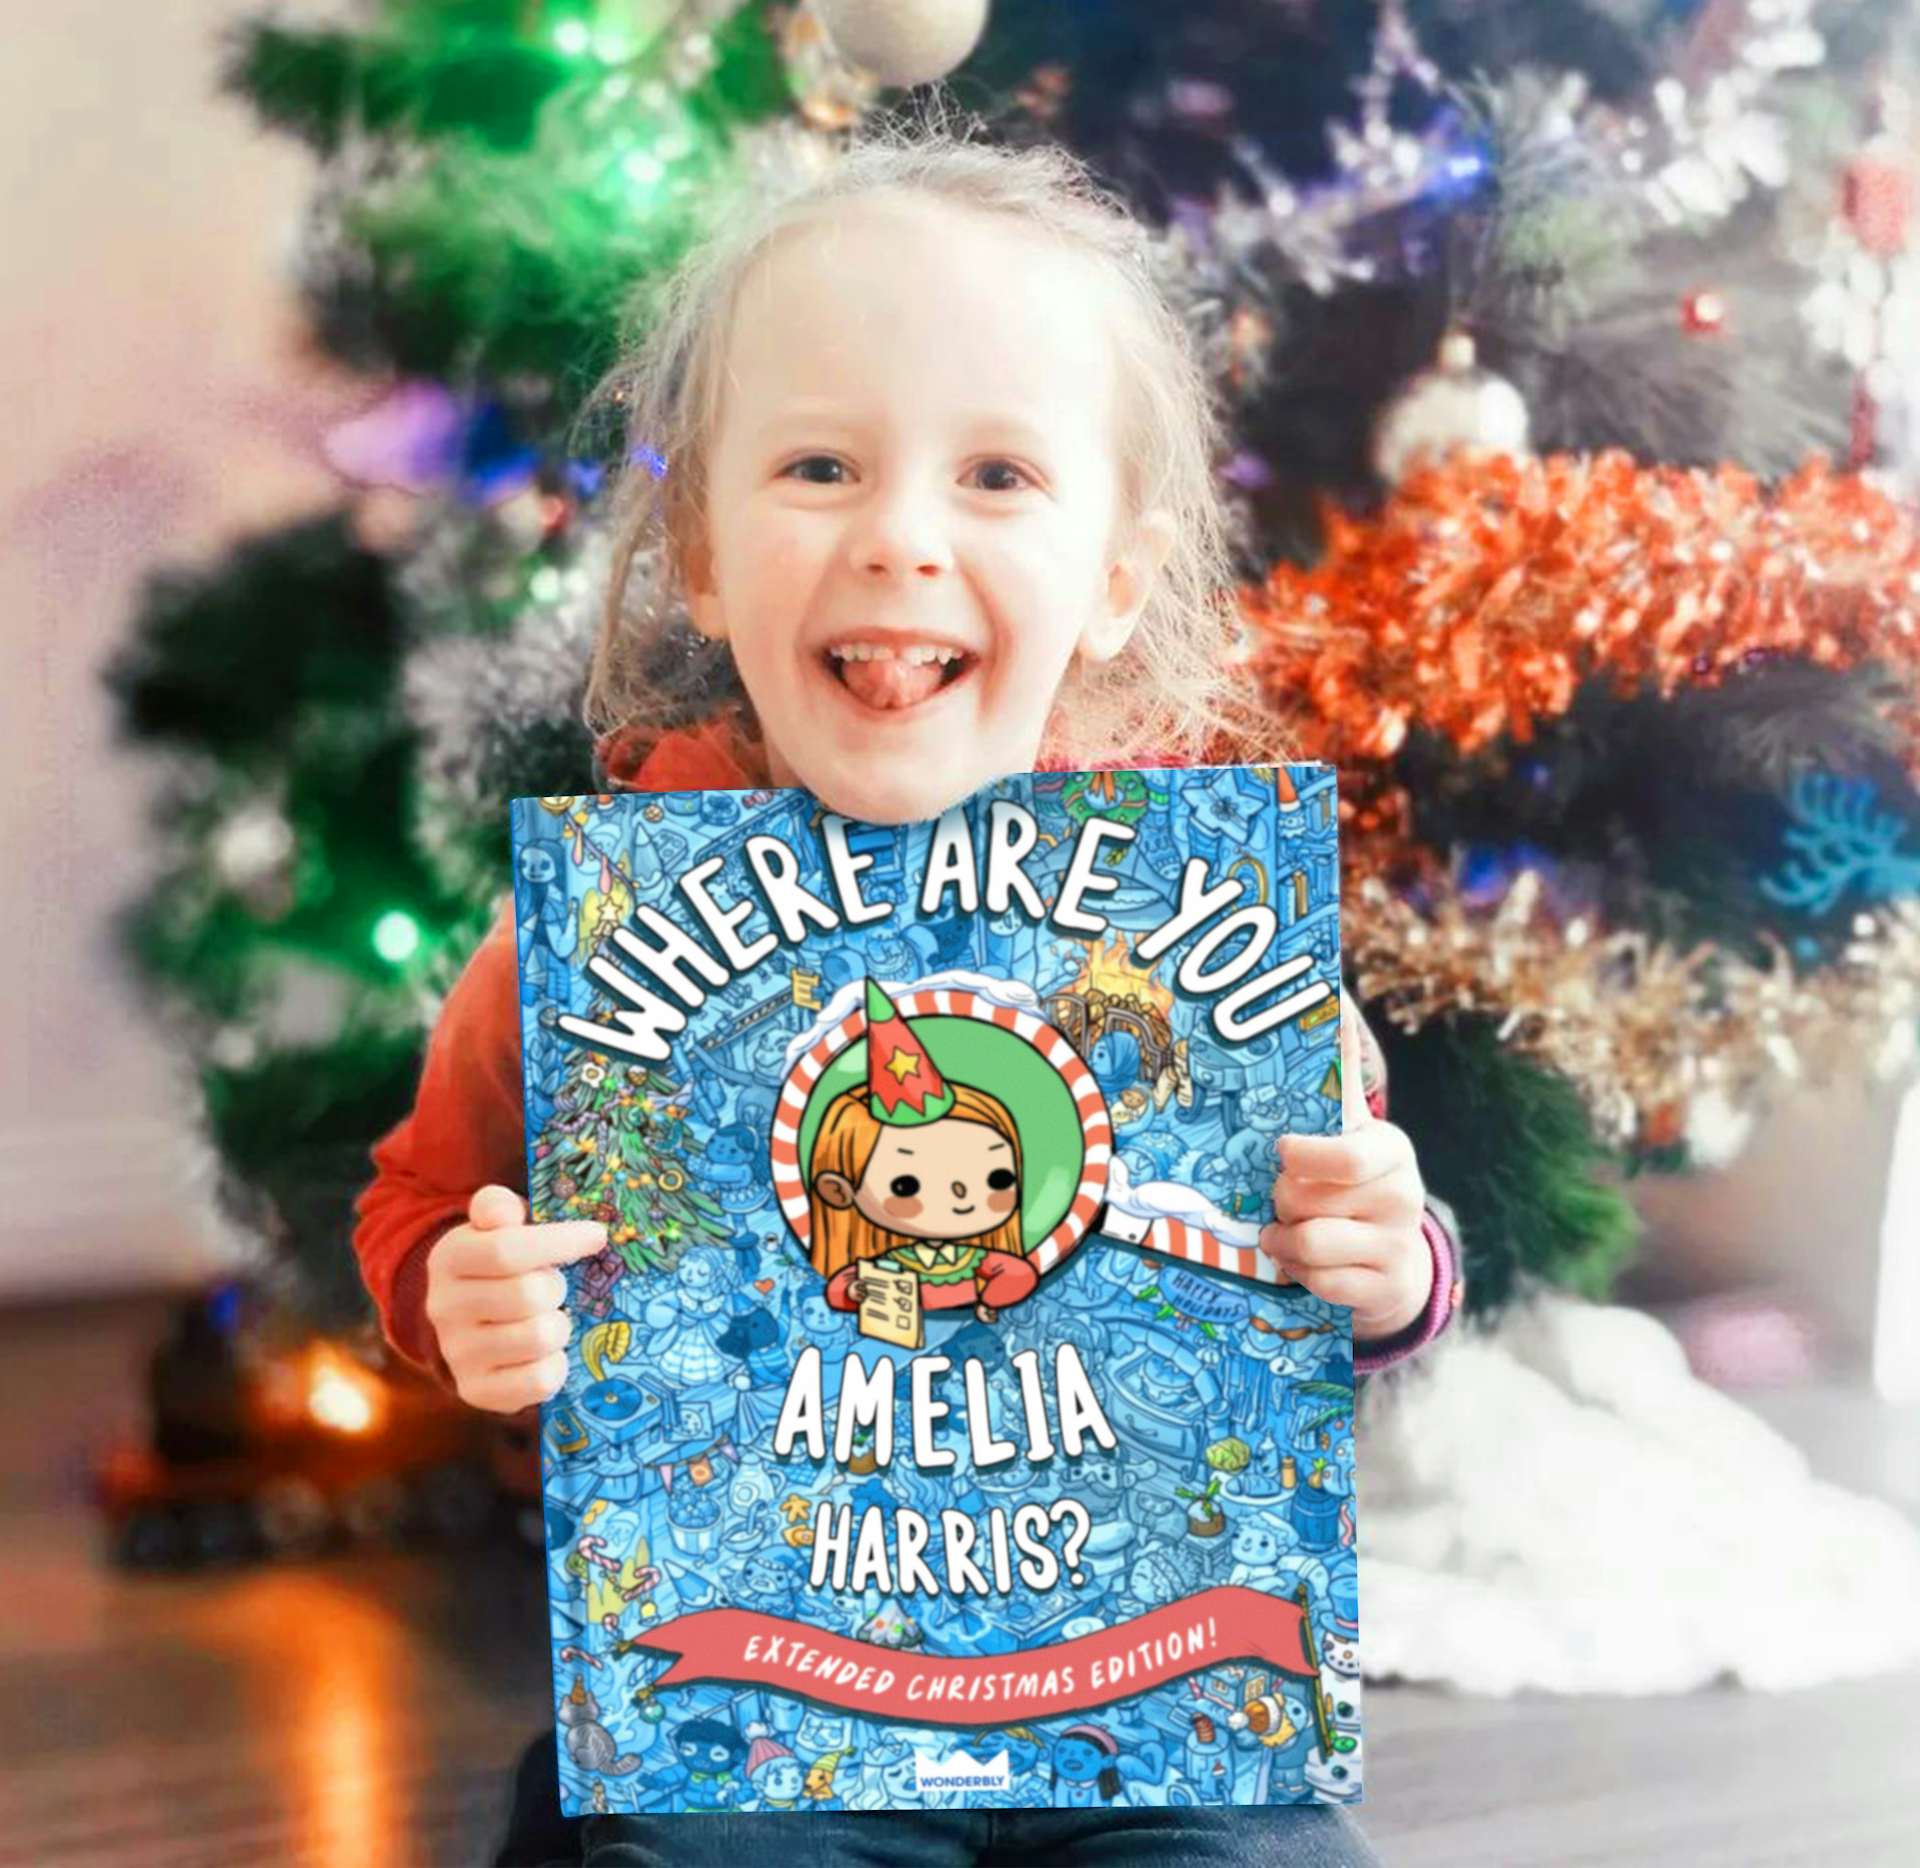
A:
(960, 1772)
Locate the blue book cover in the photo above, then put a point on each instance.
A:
(935, 1435)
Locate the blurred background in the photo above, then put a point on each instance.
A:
(1569, 352)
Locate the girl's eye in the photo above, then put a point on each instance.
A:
(904, 1185)
(1001, 470)
(1001, 1179)
(810, 462)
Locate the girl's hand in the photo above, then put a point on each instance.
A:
(494, 1291)
(1347, 1212)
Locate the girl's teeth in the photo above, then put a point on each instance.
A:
(887, 678)
(916, 654)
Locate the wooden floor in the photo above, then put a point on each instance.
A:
(358, 1713)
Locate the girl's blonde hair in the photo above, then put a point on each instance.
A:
(849, 1132)
(1168, 694)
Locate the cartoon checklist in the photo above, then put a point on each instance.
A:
(890, 1311)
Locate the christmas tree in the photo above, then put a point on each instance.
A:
(1536, 327)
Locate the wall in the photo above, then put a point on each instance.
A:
(149, 343)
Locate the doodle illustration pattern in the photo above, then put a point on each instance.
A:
(934, 1436)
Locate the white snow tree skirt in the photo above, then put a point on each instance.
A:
(1560, 1504)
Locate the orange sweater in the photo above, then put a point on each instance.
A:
(467, 1127)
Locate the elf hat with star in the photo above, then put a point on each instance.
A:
(904, 1086)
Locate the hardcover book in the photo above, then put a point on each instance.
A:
(935, 1433)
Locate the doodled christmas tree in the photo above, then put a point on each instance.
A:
(618, 1152)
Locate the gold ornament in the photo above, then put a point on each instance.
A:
(831, 93)
(1642, 1031)
(1455, 404)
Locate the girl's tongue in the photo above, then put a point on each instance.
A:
(888, 680)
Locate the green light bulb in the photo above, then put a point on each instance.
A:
(396, 935)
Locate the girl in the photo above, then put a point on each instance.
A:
(940, 506)
(946, 1209)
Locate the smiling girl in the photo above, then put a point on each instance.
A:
(938, 505)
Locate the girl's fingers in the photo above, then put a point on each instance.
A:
(1273, 1242)
(1350, 1160)
(503, 1300)
(1354, 1113)
(1355, 1286)
(1319, 1244)
(515, 1250)
(527, 1339)
(1391, 1200)
(507, 1391)
(495, 1206)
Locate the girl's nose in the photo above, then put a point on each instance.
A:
(902, 537)
(959, 1190)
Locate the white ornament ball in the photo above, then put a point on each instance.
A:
(904, 42)
(234, 1047)
(1717, 1132)
(252, 846)
(1454, 404)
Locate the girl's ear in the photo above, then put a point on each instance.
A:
(1129, 583)
(697, 580)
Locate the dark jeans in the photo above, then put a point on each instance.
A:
(1306, 1835)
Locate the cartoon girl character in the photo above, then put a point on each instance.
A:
(776, 1775)
(920, 1175)
(1096, 1765)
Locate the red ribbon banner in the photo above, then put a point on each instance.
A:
(746, 1648)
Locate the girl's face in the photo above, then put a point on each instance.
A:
(942, 1180)
(913, 513)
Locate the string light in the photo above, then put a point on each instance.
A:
(1704, 312)
(396, 936)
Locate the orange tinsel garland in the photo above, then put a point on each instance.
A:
(1478, 602)
(1489, 589)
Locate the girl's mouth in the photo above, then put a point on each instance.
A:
(888, 676)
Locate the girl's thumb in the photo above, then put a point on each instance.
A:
(494, 1207)
(1354, 1112)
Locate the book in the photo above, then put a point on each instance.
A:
(936, 1434)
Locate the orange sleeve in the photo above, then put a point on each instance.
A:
(467, 1131)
